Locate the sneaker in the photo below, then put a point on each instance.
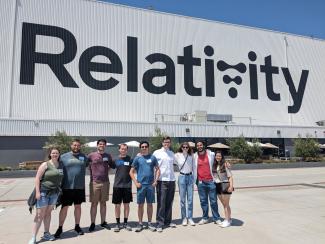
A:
(78, 230)
(48, 237)
(172, 225)
(105, 225)
(159, 228)
(91, 227)
(218, 222)
(127, 227)
(58, 233)
(203, 221)
(151, 227)
(191, 222)
(184, 222)
(116, 228)
(225, 224)
(139, 228)
(32, 241)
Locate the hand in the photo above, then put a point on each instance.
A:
(154, 184)
(228, 165)
(138, 185)
(230, 189)
(38, 195)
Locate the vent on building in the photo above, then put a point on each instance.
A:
(219, 117)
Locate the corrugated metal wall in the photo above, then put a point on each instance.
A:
(99, 24)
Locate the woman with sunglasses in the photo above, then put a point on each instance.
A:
(186, 166)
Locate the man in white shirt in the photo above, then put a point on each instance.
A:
(165, 185)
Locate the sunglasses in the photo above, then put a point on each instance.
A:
(185, 147)
(144, 146)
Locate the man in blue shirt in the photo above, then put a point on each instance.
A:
(146, 167)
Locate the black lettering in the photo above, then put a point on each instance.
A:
(269, 70)
(86, 66)
(253, 76)
(189, 61)
(297, 96)
(168, 72)
(29, 56)
(209, 72)
(132, 62)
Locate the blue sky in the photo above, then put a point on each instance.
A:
(302, 17)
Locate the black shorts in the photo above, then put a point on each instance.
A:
(122, 195)
(219, 190)
(72, 196)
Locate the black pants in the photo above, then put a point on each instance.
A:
(165, 198)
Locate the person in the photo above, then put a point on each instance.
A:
(146, 167)
(166, 185)
(203, 177)
(73, 189)
(222, 174)
(47, 187)
(186, 167)
(99, 183)
(122, 189)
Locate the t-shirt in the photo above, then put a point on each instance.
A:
(144, 165)
(99, 166)
(122, 174)
(203, 168)
(222, 176)
(74, 170)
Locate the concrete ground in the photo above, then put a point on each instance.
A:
(268, 206)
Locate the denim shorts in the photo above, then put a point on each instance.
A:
(46, 200)
(146, 193)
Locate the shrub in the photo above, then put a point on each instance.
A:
(240, 149)
(306, 147)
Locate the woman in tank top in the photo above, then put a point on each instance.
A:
(222, 174)
(47, 186)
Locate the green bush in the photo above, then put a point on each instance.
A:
(306, 148)
(62, 141)
(156, 141)
(240, 149)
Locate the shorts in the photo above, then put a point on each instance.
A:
(72, 196)
(122, 195)
(46, 200)
(146, 193)
(219, 190)
(98, 191)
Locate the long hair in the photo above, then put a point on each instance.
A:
(185, 144)
(50, 151)
(221, 164)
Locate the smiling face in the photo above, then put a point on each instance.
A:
(75, 147)
(54, 155)
(166, 144)
(200, 147)
(218, 157)
(144, 149)
(123, 150)
(101, 146)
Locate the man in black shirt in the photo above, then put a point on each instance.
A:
(122, 188)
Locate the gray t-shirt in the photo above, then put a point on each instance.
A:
(74, 170)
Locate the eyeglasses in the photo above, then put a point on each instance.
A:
(144, 146)
(185, 147)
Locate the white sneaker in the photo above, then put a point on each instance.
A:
(225, 224)
(48, 237)
(184, 222)
(218, 222)
(203, 221)
(191, 222)
(172, 225)
(32, 241)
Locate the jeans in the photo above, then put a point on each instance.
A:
(207, 190)
(185, 185)
(165, 198)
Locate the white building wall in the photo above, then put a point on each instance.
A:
(100, 24)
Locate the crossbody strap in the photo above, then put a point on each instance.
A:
(183, 163)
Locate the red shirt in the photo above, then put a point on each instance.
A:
(203, 168)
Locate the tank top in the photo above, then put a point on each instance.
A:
(52, 177)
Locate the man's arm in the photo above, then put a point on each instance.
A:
(132, 175)
(157, 174)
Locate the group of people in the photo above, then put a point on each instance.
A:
(63, 177)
